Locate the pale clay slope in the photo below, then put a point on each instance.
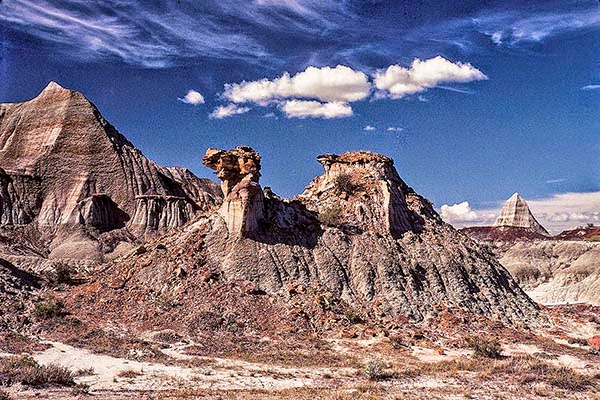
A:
(70, 177)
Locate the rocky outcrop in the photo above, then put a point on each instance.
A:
(373, 194)
(516, 214)
(366, 239)
(64, 167)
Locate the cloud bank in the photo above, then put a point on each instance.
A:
(460, 212)
(338, 84)
(327, 92)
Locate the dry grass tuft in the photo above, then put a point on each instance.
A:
(487, 347)
(129, 373)
(27, 371)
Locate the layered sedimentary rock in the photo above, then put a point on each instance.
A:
(515, 213)
(358, 233)
(65, 168)
(552, 269)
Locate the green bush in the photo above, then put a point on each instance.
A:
(60, 274)
(50, 307)
(347, 183)
(331, 216)
(375, 370)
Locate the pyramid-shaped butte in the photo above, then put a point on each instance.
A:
(516, 213)
(69, 174)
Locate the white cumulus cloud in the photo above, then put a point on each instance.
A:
(192, 97)
(460, 212)
(227, 111)
(397, 81)
(337, 84)
(369, 128)
(315, 109)
(394, 129)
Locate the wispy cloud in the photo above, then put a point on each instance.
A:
(515, 27)
(146, 34)
(369, 128)
(394, 129)
(227, 111)
(591, 87)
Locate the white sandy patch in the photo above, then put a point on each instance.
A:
(225, 374)
(431, 356)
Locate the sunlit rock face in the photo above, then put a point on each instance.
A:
(64, 167)
(374, 198)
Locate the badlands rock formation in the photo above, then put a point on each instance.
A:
(552, 269)
(79, 186)
(516, 213)
(358, 233)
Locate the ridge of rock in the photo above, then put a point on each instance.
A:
(366, 239)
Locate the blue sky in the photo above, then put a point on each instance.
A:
(473, 100)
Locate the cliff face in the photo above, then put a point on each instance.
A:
(358, 232)
(66, 169)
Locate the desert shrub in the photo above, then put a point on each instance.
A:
(140, 250)
(46, 374)
(49, 307)
(526, 273)
(346, 183)
(129, 373)
(530, 370)
(374, 370)
(331, 216)
(80, 389)
(28, 372)
(487, 347)
(580, 341)
(352, 316)
(165, 303)
(85, 371)
(60, 274)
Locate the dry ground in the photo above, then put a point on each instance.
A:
(550, 362)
